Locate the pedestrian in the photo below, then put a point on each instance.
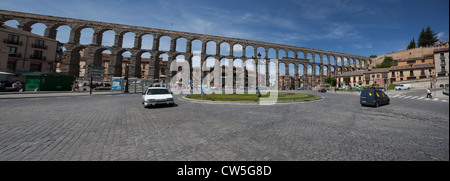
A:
(429, 93)
(75, 86)
(17, 86)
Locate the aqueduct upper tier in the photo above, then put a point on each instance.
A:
(286, 54)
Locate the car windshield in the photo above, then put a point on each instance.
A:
(157, 91)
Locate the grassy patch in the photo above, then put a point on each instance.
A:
(282, 97)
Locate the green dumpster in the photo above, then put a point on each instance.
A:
(49, 82)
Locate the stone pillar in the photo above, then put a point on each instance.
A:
(135, 67)
(288, 77)
(173, 44)
(138, 42)
(296, 75)
(74, 37)
(267, 72)
(188, 46)
(217, 49)
(321, 75)
(313, 78)
(203, 47)
(156, 45)
(153, 68)
(97, 39)
(231, 50)
(50, 33)
(305, 77)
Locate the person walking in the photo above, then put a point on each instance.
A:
(75, 86)
(429, 93)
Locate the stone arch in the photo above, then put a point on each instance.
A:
(238, 50)
(250, 51)
(38, 28)
(281, 54)
(181, 44)
(291, 54)
(165, 43)
(147, 41)
(196, 46)
(11, 23)
(211, 47)
(301, 55)
(272, 53)
(262, 52)
(225, 49)
(128, 39)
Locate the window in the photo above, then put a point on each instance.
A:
(442, 62)
(37, 55)
(13, 39)
(442, 56)
(442, 68)
(411, 73)
(401, 74)
(378, 76)
(38, 43)
(35, 67)
(11, 50)
(393, 74)
(11, 66)
(423, 61)
(422, 72)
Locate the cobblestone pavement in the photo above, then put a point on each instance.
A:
(118, 127)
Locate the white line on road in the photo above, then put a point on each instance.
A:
(444, 101)
(420, 98)
(436, 99)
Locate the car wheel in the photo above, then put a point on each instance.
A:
(377, 105)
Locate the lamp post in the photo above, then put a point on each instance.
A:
(126, 78)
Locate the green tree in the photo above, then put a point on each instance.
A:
(430, 37)
(427, 38)
(421, 41)
(412, 44)
(387, 63)
(347, 80)
(331, 81)
(373, 56)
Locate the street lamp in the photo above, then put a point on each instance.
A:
(126, 78)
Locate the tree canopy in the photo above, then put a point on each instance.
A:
(387, 63)
(427, 37)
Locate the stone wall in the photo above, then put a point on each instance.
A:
(406, 54)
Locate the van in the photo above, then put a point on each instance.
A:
(403, 87)
(374, 98)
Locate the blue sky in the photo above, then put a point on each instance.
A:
(359, 27)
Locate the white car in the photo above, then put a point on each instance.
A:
(157, 96)
(403, 87)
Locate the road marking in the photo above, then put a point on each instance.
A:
(436, 99)
(414, 97)
(401, 96)
(395, 96)
(444, 101)
(420, 98)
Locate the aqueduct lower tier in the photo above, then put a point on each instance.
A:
(284, 53)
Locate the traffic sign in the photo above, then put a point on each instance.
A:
(435, 80)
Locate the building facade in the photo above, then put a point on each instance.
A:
(413, 68)
(441, 57)
(26, 52)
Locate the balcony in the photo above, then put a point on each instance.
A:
(8, 41)
(39, 46)
(17, 55)
(38, 57)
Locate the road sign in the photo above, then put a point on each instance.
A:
(435, 80)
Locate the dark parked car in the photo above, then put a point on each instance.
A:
(322, 90)
(301, 88)
(374, 98)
